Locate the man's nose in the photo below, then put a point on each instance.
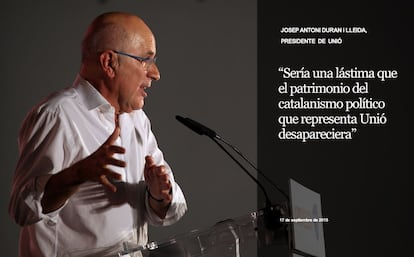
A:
(153, 72)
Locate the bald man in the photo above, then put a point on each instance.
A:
(90, 175)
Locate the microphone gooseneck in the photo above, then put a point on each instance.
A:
(254, 167)
(268, 202)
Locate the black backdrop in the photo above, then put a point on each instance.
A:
(364, 182)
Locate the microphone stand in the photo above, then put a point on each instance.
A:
(272, 214)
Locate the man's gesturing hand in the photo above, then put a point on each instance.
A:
(64, 184)
(94, 167)
(158, 181)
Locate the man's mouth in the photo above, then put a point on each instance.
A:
(144, 88)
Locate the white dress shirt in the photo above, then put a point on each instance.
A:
(65, 128)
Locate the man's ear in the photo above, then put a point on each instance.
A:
(108, 62)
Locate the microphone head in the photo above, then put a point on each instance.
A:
(190, 124)
(179, 118)
(196, 127)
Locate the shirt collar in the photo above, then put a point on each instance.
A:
(89, 96)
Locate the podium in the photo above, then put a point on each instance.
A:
(240, 236)
(295, 231)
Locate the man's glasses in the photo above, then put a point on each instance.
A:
(147, 62)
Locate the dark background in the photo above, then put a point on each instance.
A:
(364, 183)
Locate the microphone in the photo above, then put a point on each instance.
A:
(272, 215)
(203, 130)
(197, 127)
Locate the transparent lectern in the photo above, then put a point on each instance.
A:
(294, 229)
(228, 238)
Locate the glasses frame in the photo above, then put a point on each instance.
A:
(148, 61)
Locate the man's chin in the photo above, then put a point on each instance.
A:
(133, 107)
(139, 105)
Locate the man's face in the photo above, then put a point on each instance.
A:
(135, 76)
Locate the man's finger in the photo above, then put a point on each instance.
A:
(115, 162)
(149, 162)
(163, 177)
(166, 195)
(111, 174)
(105, 182)
(116, 149)
(160, 170)
(165, 187)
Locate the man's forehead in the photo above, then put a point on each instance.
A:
(145, 43)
